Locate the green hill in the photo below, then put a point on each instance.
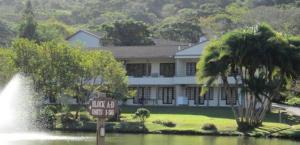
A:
(213, 16)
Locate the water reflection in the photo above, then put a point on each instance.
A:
(59, 138)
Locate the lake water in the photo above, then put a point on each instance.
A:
(60, 138)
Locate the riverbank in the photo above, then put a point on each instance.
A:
(189, 121)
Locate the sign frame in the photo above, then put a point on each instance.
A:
(101, 107)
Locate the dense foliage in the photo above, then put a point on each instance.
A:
(214, 17)
(59, 70)
(127, 33)
(260, 60)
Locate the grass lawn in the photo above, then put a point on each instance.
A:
(185, 118)
(193, 118)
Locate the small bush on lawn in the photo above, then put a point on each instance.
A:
(165, 123)
(142, 114)
(209, 127)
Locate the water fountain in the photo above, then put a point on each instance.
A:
(17, 107)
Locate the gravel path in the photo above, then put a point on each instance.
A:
(291, 109)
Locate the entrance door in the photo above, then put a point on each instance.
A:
(167, 95)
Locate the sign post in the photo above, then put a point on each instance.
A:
(101, 107)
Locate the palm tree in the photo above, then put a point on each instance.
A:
(260, 60)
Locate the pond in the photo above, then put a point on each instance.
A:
(61, 138)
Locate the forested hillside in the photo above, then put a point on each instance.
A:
(170, 19)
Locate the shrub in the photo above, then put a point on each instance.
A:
(116, 117)
(67, 119)
(142, 114)
(295, 101)
(165, 123)
(46, 118)
(209, 127)
(85, 117)
(52, 108)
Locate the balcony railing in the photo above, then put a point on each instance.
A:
(176, 80)
(145, 101)
(161, 80)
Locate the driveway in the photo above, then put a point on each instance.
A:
(293, 110)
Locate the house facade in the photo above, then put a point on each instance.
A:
(164, 75)
(86, 39)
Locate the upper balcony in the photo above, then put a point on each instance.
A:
(176, 80)
(161, 80)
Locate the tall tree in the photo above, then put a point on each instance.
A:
(260, 60)
(180, 31)
(127, 33)
(59, 70)
(53, 30)
(98, 71)
(29, 25)
(50, 65)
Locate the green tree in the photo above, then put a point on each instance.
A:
(142, 114)
(260, 61)
(28, 27)
(179, 31)
(291, 93)
(7, 65)
(230, 18)
(53, 30)
(60, 71)
(127, 33)
(6, 34)
(50, 65)
(110, 17)
(101, 72)
(285, 20)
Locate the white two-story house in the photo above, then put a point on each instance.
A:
(164, 74)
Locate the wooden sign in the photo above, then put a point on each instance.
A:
(102, 107)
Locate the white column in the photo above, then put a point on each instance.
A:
(155, 68)
(180, 68)
(178, 92)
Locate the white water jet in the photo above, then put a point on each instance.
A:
(15, 105)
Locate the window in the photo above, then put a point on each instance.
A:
(223, 94)
(142, 95)
(138, 69)
(193, 93)
(190, 68)
(190, 92)
(210, 94)
(167, 69)
(166, 94)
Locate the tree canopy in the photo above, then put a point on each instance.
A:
(28, 27)
(127, 33)
(59, 70)
(259, 59)
(180, 31)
